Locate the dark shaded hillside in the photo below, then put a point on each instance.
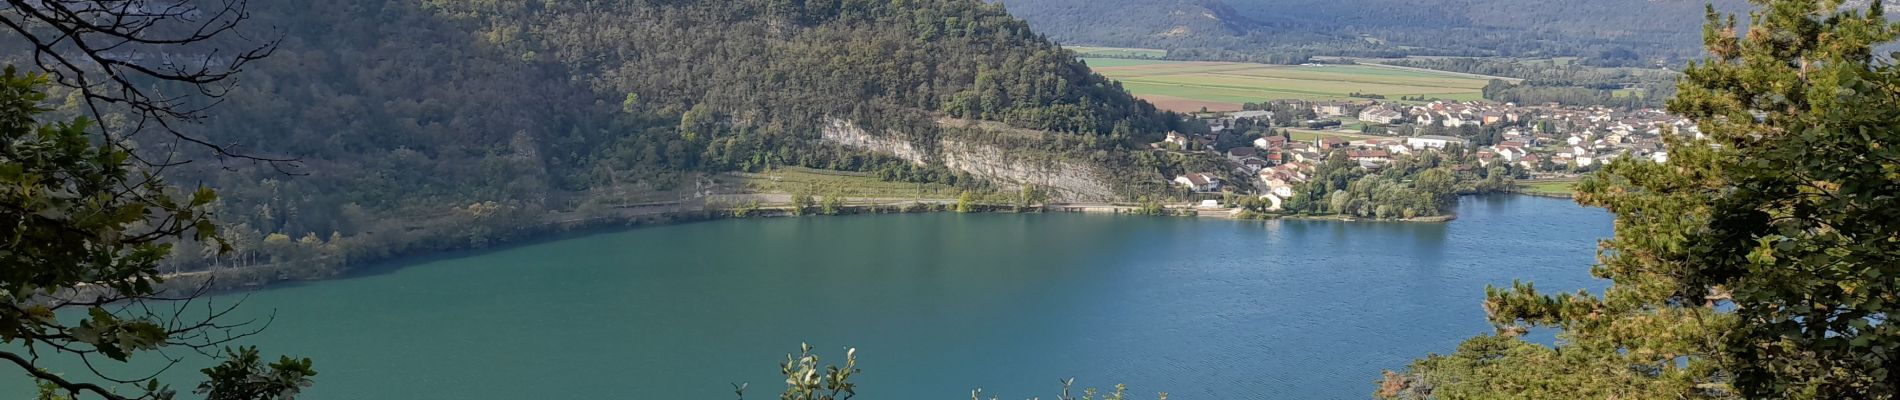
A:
(1650, 28)
(411, 114)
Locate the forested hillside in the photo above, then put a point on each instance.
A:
(412, 115)
(1610, 29)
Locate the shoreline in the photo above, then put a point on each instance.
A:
(1565, 196)
(557, 226)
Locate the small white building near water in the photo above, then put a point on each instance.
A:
(1199, 182)
(1273, 202)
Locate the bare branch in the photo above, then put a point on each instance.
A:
(119, 54)
(70, 386)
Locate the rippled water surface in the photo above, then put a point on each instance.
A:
(937, 304)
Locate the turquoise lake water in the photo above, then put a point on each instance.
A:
(937, 305)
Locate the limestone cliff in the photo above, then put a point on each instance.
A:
(1011, 169)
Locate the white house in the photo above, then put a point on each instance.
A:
(1433, 142)
(1242, 153)
(1510, 153)
(1177, 138)
(1199, 182)
(1329, 109)
(1276, 184)
(1255, 114)
(1270, 142)
(1379, 115)
(1254, 164)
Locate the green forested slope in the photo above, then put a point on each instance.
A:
(405, 113)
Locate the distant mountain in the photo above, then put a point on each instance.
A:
(1653, 28)
(1151, 23)
(1650, 28)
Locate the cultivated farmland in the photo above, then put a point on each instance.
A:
(1224, 86)
(1124, 52)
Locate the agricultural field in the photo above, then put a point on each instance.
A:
(1308, 135)
(1224, 86)
(819, 182)
(1099, 63)
(1122, 52)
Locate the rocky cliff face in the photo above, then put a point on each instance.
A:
(1011, 169)
(849, 134)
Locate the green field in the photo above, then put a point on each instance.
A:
(1191, 85)
(841, 183)
(1098, 63)
(1551, 188)
(1086, 51)
(1308, 135)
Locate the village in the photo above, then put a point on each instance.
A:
(1275, 146)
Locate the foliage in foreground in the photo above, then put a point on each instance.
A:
(85, 230)
(808, 379)
(1759, 262)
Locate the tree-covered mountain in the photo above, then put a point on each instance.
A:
(1650, 29)
(413, 115)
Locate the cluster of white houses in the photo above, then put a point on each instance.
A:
(1546, 139)
(1553, 138)
(1281, 164)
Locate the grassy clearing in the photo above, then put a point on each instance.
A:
(1121, 62)
(1112, 52)
(1236, 83)
(841, 183)
(1308, 135)
(1552, 188)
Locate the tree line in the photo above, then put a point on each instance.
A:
(1424, 184)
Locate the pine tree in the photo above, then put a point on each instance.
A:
(1759, 262)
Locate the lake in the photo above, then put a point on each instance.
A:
(937, 304)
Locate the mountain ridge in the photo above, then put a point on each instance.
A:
(1659, 29)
